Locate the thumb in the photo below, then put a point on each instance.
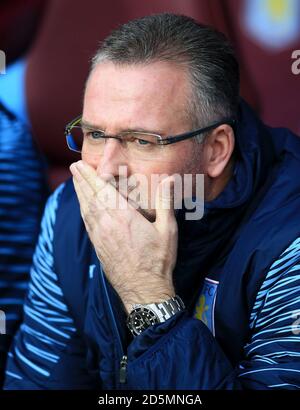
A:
(164, 204)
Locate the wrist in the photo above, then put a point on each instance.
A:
(144, 316)
(146, 298)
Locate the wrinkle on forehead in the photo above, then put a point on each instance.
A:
(138, 96)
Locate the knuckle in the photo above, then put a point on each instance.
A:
(173, 228)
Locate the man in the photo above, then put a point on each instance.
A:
(127, 292)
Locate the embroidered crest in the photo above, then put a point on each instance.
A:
(273, 23)
(205, 306)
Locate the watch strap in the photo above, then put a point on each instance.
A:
(168, 308)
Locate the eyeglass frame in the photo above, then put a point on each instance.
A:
(161, 141)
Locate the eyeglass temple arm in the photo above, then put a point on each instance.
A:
(181, 137)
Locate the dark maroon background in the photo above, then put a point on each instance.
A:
(64, 34)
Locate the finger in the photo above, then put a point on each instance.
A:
(164, 204)
(83, 190)
(105, 192)
(85, 176)
(88, 186)
(86, 183)
(89, 175)
(90, 210)
(101, 194)
(83, 202)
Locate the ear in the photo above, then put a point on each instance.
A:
(219, 147)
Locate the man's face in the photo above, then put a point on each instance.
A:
(152, 98)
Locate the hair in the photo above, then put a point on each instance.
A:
(205, 54)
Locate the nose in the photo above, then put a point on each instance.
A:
(111, 160)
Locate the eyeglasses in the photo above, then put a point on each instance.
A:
(135, 144)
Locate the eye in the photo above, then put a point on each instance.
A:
(95, 134)
(142, 142)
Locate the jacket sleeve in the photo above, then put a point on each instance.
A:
(23, 192)
(47, 351)
(183, 354)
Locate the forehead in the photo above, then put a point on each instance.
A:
(152, 95)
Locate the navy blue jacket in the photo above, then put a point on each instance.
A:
(238, 272)
(23, 192)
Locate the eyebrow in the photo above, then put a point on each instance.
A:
(90, 126)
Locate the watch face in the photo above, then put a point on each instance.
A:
(140, 319)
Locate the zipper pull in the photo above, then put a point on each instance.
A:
(123, 369)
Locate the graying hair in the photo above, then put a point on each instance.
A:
(204, 52)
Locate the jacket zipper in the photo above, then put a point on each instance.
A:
(123, 369)
(123, 361)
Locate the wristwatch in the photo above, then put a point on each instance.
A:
(143, 316)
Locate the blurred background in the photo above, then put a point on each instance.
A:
(49, 44)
